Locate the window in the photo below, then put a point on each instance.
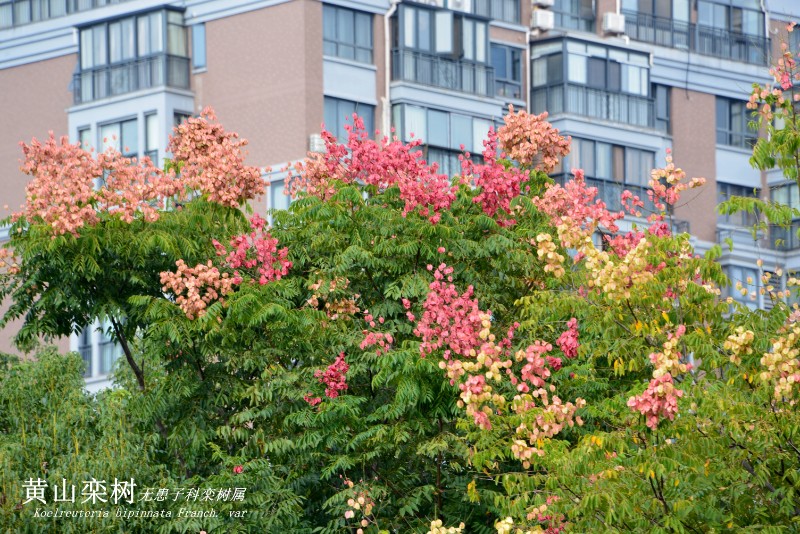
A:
(85, 350)
(662, 95)
(574, 14)
(505, 10)
(199, 46)
(548, 70)
(747, 280)
(735, 19)
(85, 137)
(507, 63)
(279, 200)
(122, 136)
(610, 162)
(347, 33)
(339, 113)
(179, 117)
(151, 137)
(442, 129)
(127, 54)
(725, 192)
(733, 120)
(109, 350)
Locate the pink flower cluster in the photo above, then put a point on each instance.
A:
(212, 161)
(381, 164)
(659, 400)
(667, 184)
(532, 141)
(449, 318)
(576, 209)
(496, 184)
(63, 194)
(334, 377)
(257, 250)
(568, 340)
(196, 288)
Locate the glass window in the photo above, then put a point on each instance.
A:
(461, 128)
(85, 138)
(85, 349)
(577, 69)
(199, 46)
(122, 136)
(279, 200)
(444, 32)
(507, 61)
(662, 96)
(733, 120)
(338, 113)
(415, 122)
(438, 128)
(151, 137)
(480, 132)
(347, 33)
(176, 35)
(725, 192)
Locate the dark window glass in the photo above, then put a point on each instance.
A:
(338, 113)
(347, 33)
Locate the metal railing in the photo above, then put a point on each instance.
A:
(703, 40)
(570, 21)
(438, 71)
(109, 80)
(21, 12)
(589, 102)
(508, 89)
(784, 238)
(611, 193)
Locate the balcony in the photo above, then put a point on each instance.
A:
(596, 103)
(611, 193)
(117, 79)
(702, 40)
(781, 238)
(438, 71)
(570, 21)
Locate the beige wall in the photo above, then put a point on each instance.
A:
(601, 7)
(264, 78)
(38, 105)
(694, 149)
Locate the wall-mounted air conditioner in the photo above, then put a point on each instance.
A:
(465, 6)
(614, 23)
(316, 143)
(435, 3)
(542, 20)
(544, 3)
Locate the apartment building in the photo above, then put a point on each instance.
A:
(626, 78)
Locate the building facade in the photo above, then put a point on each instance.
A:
(627, 79)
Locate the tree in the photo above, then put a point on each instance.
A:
(400, 351)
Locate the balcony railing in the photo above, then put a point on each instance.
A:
(438, 71)
(781, 238)
(588, 102)
(20, 12)
(696, 38)
(571, 21)
(611, 193)
(109, 80)
(505, 10)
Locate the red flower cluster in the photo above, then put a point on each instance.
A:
(568, 340)
(380, 164)
(532, 141)
(449, 317)
(660, 399)
(257, 250)
(334, 377)
(196, 288)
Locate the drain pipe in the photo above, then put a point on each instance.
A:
(386, 100)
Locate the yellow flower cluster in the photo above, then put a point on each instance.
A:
(437, 528)
(740, 342)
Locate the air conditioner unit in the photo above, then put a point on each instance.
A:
(465, 6)
(544, 3)
(542, 20)
(614, 23)
(315, 143)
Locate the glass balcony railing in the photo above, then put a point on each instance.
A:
(703, 40)
(781, 238)
(120, 78)
(597, 103)
(438, 71)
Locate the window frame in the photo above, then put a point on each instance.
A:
(509, 60)
(339, 41)
(729, 133)
(346, 118)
